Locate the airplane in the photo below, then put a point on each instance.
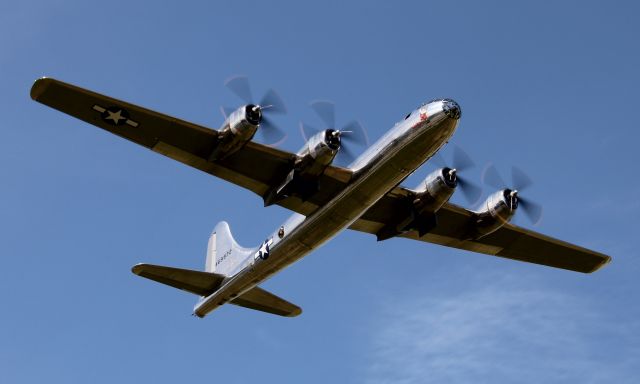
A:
(365, 196)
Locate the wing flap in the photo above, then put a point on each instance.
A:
(510, 241)
(261, 300)
(197, 282)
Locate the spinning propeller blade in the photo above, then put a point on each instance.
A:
(271, 103)
(352, 133)
(226, 111)
(461, 162)
(532, 210)
(307, 131)
(355, 133)
(520, 181)
(239, 85)
(492, 178)
(326, 110)
(271, 133)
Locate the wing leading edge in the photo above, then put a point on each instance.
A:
(510, 241)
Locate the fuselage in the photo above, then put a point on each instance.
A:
(384, 165)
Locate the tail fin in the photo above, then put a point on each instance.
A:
(224, 255)
(224, 258)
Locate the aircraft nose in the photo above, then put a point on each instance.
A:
(451, 109)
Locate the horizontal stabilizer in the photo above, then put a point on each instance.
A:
(261, 300)
(200, 283)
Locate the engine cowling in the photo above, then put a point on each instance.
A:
(436, 190)
(318, 152)
(428, 197)
(496, 211)
(237, 130)
(311, 160)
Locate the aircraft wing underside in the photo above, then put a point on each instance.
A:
(255, 167)
(510, 241)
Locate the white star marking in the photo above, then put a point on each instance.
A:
(264, 249)
(115, 116)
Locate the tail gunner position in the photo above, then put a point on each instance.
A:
(365, 196)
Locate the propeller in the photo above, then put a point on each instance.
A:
(460, 162)
(351, 133)
(520, 181)
(270, 103)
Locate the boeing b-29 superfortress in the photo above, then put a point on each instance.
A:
(366, 196)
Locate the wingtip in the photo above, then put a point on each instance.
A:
(39, 87)
(605, 260)
(137, 269)
(295, 313)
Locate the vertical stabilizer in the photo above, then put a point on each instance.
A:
(224, 255)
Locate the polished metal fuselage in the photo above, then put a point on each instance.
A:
(383, 166)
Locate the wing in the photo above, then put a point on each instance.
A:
(509, 241)
(255, 167)
(261, 300)
(197, 282)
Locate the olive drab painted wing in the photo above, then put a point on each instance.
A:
(255, 166)
(509, 241)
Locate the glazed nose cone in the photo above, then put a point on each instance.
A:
(451, 109)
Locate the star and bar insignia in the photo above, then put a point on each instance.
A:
(263, 251)
(115, 115)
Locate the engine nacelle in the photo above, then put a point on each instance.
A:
(496, 211)
(428, 198)
(318, 152)
(436, 190)
(237, 130)
(311, 160)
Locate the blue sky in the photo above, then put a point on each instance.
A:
(551, 89)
